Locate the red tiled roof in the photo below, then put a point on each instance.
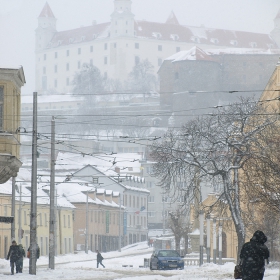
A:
(201, 35)
(172, 31)
(78, 35)
(47, 12)
(278, 15)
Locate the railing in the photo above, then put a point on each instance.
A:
(195, 261)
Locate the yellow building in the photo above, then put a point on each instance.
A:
(11, 81)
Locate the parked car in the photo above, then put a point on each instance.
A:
(166, 259)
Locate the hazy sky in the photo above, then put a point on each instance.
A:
(18, 20)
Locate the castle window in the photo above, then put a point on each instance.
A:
(178, 49)
(105, 60)
(253, 44)
(105, 46)
(79, 50)
(45, 56)
(55, 55)
(55, 69)
(233, 42)
(83, 38)
(79, 64)
(71, 40)
(67, 53)
(67, 81)
(1, 106)
(159, 61)
(55, 83)
(174, 37)
(44, 70)
(91, 48)
(67, 67)
(195, 39)
(160, 48)
(176, 76)
(91, 62)
(136, 45)
(157, 35)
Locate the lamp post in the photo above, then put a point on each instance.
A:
(214, 242)
(208, 238)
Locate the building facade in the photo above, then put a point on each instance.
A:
(117, 46)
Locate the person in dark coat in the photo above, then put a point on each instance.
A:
(19, 262)
(99, 259)
(13, 255)
(253, 255)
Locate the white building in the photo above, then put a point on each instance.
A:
(116, 46)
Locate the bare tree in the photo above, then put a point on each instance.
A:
(216, 146)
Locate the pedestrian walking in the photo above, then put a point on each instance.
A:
(13, 255)
(19, 262)
(99, 259)
(252, 257)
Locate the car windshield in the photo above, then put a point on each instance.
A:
(168, 253)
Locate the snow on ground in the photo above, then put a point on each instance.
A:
(83, 267)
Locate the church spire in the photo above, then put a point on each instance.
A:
(172, 19)
(47, 12)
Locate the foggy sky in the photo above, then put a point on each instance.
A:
(18, 20)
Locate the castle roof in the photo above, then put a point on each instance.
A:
(278, 14)
(47, 12)
(169, 31)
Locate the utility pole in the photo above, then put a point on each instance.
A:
(19, 215)
(33, 214)
(52, 193)
(163, 215)
(13, 209)
(86, 235)
(220, 242)
(120, 218)
(208, 238)
(214, 241)
(201, 241)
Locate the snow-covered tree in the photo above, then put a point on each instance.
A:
(214, 147)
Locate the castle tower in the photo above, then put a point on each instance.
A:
(46, 28)
(122, 19)
(275, 33)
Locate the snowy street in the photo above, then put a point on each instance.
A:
(82, 266)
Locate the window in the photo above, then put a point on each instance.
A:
(115, 45)
(136, 45)
(45, 56)
(46, 220)
(67, 53)
(160, 48)
(91, 62)
(137, 60)
(24, 218)
(1, 111)
(55, 69)
(67, 67)
(69, 223)
(67, 81)
(178, 49)
(151, 199)
(55, 55)
(105, 60)
(159, 61)
(79, 51)
(91, 48)
(176, 76)
(95, 180)
(55, 83)
(151, 214)
(105, 46)
(79, 64)
(44, 70)
(64, 221)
